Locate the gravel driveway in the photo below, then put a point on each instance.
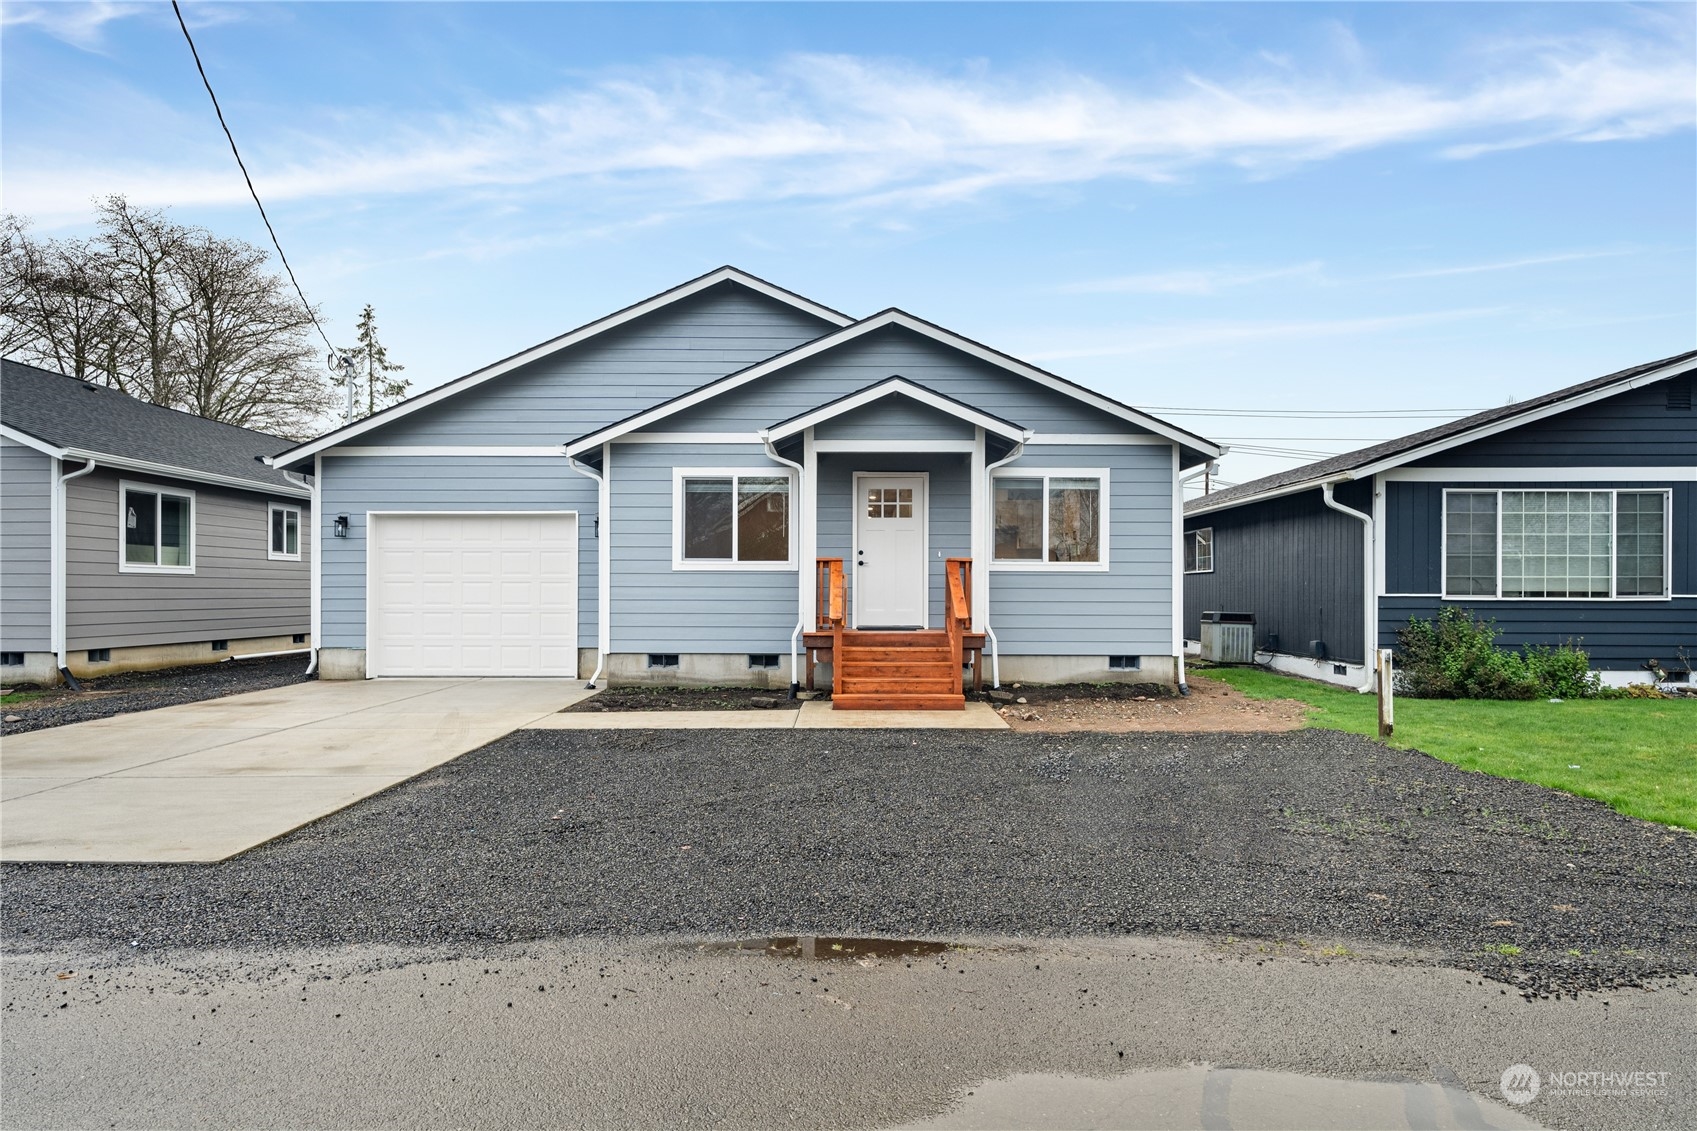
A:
(1312, 841)
(143, 691)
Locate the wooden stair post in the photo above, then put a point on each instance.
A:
(906, 671)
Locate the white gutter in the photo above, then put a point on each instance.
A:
(806, 576)
(316, 611)
(267, 655)
(984, 580)
(603, 559)
(56, 555)
(125, 463)
(1369, 600)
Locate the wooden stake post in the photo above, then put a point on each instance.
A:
(1386, 705)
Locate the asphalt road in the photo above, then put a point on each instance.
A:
(658, 1033)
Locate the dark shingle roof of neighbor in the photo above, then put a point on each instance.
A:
(68, 413)
(1361, 457)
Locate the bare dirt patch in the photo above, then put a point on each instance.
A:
(1212, 707)
(685, 699)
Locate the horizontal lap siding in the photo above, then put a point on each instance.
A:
(235, 592)
(1618, 635)
(894, 418)
(26, 528)
(658, 609)
(1128, 609)
(1293, 562)
(949, 530)
(360, 484)
(613, 375)
(1635, 428)
(882, 354)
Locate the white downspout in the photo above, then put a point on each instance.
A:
(317, 557)
(804, 599)
(988, 549)
(603, 558)
(57, 554)
(1369, 610)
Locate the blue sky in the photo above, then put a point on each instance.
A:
(1217, 206)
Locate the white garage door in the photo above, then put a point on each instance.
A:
(473, 594)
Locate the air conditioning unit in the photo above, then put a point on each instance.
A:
(1228, 638)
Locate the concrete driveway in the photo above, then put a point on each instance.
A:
(207, 780)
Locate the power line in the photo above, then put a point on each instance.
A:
(219, 110)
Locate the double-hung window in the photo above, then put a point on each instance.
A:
(1199, 550)
(1556, 545)
(156, 529)
(737, 519)
(285, 532)
(1051, 518)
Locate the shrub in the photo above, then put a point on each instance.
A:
(1456, 656)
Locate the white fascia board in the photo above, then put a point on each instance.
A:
(877, 322)
(897, 386)
(1627, 474)
(125, 463)
(555, 345)
(29, 441)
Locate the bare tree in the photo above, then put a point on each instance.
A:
(373, 384)
(169, 313)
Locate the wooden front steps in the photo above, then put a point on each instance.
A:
(897, 671)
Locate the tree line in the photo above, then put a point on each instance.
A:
(178, 316)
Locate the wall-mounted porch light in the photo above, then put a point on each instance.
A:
(341, 526)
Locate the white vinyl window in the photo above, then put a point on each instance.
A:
(155, 529)
(1199, 550)
(1556, 545)
(1050, 518)
(285, 532)
(733, 519)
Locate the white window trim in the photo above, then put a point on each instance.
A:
(271, 552)
(1014, 471)
(124, 566)
(1614, 518)
(1209, 530)
(679, 562)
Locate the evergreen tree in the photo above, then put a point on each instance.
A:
(374, 387)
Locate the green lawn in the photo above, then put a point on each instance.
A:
(1637, 755)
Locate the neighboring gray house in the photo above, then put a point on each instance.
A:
(1569, 516)
(134, 536)
(667, 493)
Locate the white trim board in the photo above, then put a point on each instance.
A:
(894, 387)
(555, 345)
(557, 452)
(1539, 474)
(897, 447)
(859, 329)
(689, 438)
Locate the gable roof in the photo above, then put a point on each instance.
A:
(890, 317)
(1368, 461)
(893, 387)
(726, 274)
(68, 418)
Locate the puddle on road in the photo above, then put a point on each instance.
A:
(822, 948)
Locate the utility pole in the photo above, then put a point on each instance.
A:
(346, 364)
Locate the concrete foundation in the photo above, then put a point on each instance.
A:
(1079, 669)
(38, 668)
(697, 669)
(148, 657)
(341, 663)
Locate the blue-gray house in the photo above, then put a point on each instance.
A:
(727, 480)
(1569, 516)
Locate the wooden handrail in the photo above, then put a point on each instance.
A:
(830, 609)
(957, 614)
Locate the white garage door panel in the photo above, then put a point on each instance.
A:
(474, 595)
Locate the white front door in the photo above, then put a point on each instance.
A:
(889, 551)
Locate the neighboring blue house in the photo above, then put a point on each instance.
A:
(707, 485)
(1569, 516)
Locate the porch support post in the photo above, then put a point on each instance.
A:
(809, 533)
(980, 534)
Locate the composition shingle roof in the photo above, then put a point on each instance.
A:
(67, 413)
(1337, 465)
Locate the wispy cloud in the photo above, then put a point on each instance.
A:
(82, 25)
(1189, 336)
(878, 135)
(1206, 281)
(1508, 264)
